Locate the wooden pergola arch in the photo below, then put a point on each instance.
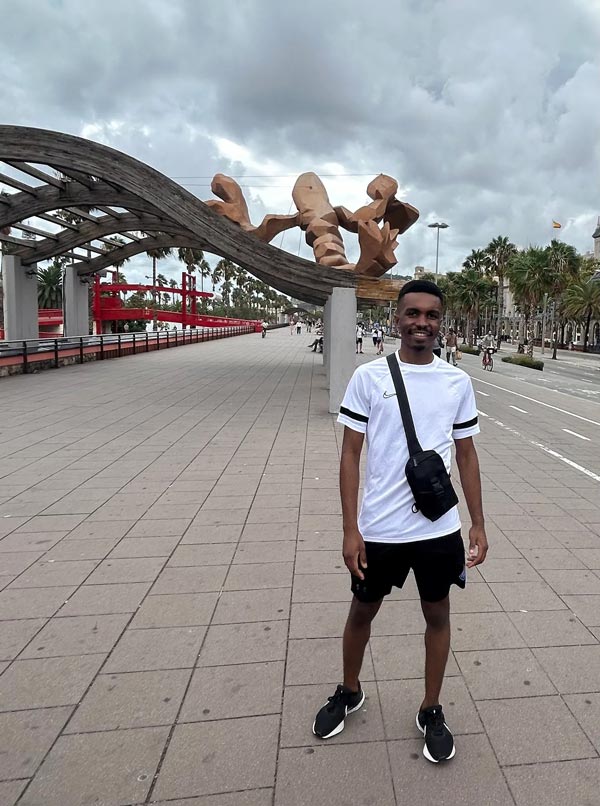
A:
(115, 194)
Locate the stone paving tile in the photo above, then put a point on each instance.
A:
(267, 532)
(567, 582)
(321, 588)
(226, 692)
(30, 541)
(76, 635)
(318, 660)
(556, 784)
(484, 631)
(244, 643)
(47, 682)
(546, 731)
(163, 648)
(90, 549)
(301, 704)
(51, 523)
(91, 600)
(253, 797)
(114, 767)
(259, 605)
(551, 628)
(14, 563)
(192, 579)
(10, 791)
(401, 657)
(572, 669)
(131, 700)
(226, 533)
(205, 554)
(553, 559)
(225, 756)
(246, 576)
(472, 779)
(14, 635)
(497, 673)
(48, 574)
(26, 738)
(130, 547)
(475, 598)
(526, 596)
(586, 710)
(265, 552)
(159, 528)
(533, 539)
(304, 775)
(586, 608)
(175, 610)
(25, 603)
(138, 569)
(494, 570)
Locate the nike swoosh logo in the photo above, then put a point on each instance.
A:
(389, 394)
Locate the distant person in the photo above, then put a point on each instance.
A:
(451, 343)
(379, 340)
(264, 327)
(438, 345)
(374, 334)
(298, 327)
(292, 326)
(360, 332)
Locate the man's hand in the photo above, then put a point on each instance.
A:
(478, 546)
(354, 552)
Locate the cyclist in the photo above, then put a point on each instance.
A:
(487, 346)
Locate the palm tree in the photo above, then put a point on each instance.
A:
(499, 252)
(477, 261)
(565, 263)
(472, 291)
(157, 253)
(530, 277)
(582, 302)
(162, 281)
(50, 284)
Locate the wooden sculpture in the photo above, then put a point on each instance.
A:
(321, 222)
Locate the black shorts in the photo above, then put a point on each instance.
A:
(437, 563)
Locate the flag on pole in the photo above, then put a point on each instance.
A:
(556, 225)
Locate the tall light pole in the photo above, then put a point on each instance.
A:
(438, 226)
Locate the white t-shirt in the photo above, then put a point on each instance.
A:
(443, 407)
(359, 332)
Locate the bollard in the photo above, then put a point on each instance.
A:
(147, 346)
(168, 345)
(25, 362)
(133, 344)
(157, 340)
(119, 345)
(101, 348)
(81, 349)
(56, 353)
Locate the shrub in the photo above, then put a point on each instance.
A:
(464, 348)
(524, 361)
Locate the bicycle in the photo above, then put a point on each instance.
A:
(487, 362)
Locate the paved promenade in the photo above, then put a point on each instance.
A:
(172, 597)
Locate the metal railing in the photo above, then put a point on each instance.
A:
(26, 353)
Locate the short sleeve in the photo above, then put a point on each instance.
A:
(466, 422)
(356, 406)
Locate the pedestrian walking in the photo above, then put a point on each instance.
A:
(360, 332)
(379, 340)
(451, 345)
(392, 534)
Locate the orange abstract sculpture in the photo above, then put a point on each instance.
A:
(321, 221)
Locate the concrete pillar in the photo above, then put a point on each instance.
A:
(75, 304)
(20, 299)
(342, 343)
(326, 336)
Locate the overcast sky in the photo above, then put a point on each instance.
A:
(487, 113)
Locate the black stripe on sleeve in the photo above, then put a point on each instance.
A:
(467, 424)
(360, 417)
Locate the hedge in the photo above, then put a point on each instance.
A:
(464, 348)
(524, 361)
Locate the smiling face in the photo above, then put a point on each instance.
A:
(418, 319)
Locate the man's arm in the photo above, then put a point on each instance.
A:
(468, 468)
(353, 546)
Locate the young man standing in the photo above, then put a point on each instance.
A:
(390, 538)
(360, 332)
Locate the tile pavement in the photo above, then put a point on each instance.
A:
(172, 598)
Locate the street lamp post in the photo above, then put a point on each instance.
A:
(438, 225)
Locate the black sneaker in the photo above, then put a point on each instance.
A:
(439, 744)
(330, 719)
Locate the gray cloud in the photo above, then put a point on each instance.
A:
(486, 112)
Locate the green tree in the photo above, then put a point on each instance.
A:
(530, 277)
(499, 252)
(582, 302)
(471, 292)
(50, 284)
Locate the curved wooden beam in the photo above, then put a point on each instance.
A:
(287, 273)
(19, 206)
(91, 230)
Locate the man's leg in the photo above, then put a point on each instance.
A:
(437, 647)
(356, 636)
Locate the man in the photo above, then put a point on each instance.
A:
(451, 343)
(298, 327)
(379, 340)
(360, 332)
(389, 538)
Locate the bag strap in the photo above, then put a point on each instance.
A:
(414, 446)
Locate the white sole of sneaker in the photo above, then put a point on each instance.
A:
(340, 727)
(426, 752)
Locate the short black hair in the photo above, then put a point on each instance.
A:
(421, 287)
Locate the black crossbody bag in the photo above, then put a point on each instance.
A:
(425, 470)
